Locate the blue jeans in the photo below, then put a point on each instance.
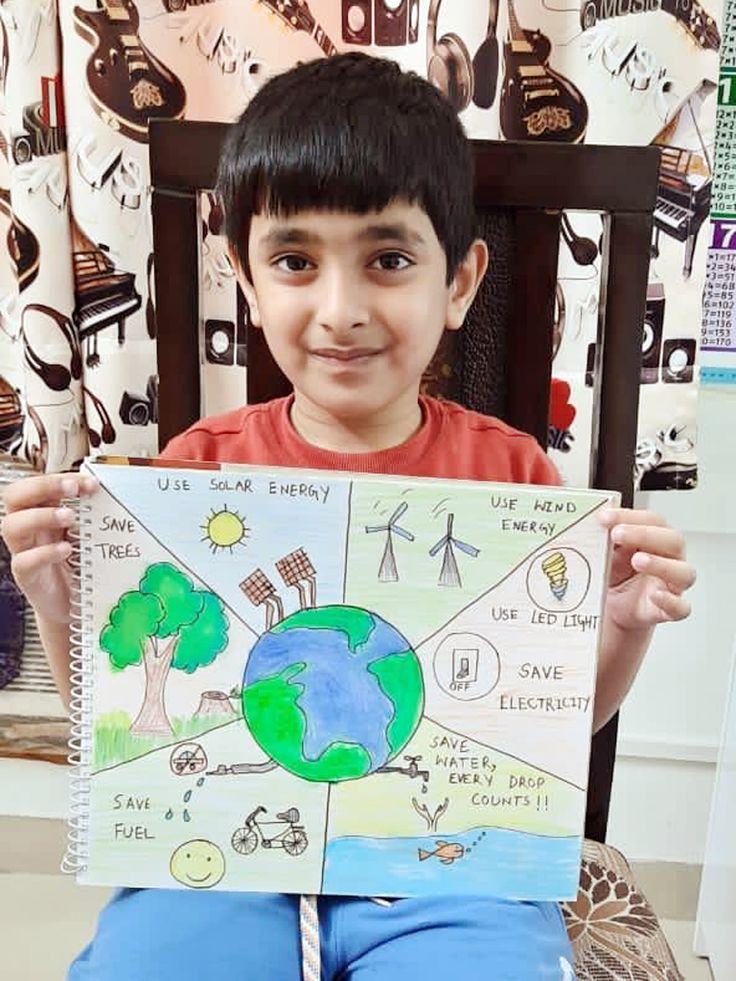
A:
(176, 935)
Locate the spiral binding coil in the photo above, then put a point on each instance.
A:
(80, 707)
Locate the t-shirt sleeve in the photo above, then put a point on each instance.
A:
(540, 469)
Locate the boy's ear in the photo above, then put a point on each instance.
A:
(465, 284)
(247, 288)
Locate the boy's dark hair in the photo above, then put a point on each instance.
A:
(348, 133)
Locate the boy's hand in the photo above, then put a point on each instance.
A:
(35, 530)
(649, 572)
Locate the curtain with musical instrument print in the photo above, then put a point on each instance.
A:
(41, 383)
(633, 72)
(77, 309)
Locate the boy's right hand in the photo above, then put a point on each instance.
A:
(35, 529)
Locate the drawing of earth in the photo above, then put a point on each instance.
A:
(332, 693)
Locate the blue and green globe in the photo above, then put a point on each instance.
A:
(332, 693)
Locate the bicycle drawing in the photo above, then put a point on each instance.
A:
(292, 838)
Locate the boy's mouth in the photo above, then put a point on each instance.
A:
(345, 354)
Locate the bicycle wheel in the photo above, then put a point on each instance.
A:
(295, 841)
(244, 841)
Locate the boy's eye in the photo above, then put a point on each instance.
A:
(292, 263)
(391, 261)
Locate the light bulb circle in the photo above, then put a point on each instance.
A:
(558, 579)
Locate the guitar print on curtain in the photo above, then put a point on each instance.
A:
(77, 307)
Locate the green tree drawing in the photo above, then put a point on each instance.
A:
(167, 623)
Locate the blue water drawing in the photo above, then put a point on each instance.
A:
(512, 864)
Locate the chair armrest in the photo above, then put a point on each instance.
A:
(614, 931)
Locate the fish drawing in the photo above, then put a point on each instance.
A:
(445, 851)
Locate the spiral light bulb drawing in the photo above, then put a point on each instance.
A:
(555, 567)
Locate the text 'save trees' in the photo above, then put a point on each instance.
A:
(166, 623)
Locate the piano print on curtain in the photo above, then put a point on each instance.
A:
(599, 71)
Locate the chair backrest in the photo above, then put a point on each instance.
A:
(502, 362)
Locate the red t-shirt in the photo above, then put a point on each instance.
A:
(451, 442)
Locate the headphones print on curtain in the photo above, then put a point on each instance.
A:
(52, 356)
(450, 68)
(57, 377)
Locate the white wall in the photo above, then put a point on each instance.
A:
(28, 787)
(671, 723)
(32, 789)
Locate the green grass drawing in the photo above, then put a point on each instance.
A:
(114, 743)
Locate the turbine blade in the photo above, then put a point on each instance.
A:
(404, 534)
(468, 549)
(398, 512)
(440, 544)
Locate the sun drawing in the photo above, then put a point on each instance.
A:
(224, 529)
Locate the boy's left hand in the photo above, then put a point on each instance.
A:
(649, 572)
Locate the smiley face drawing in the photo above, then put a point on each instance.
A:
(198, 864)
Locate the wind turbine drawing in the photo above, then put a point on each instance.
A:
(388, 571)
(449, 573)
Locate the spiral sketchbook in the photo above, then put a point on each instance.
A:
(319, 682)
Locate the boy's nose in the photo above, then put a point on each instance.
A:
(341, 305)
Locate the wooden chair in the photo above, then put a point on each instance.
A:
(500, 363)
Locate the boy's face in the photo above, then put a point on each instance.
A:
(353, 306)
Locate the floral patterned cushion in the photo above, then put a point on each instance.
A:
(614, 932)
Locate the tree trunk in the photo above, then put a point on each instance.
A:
(214, 703)
(152, 719)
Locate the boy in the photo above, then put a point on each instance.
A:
(347, 190)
